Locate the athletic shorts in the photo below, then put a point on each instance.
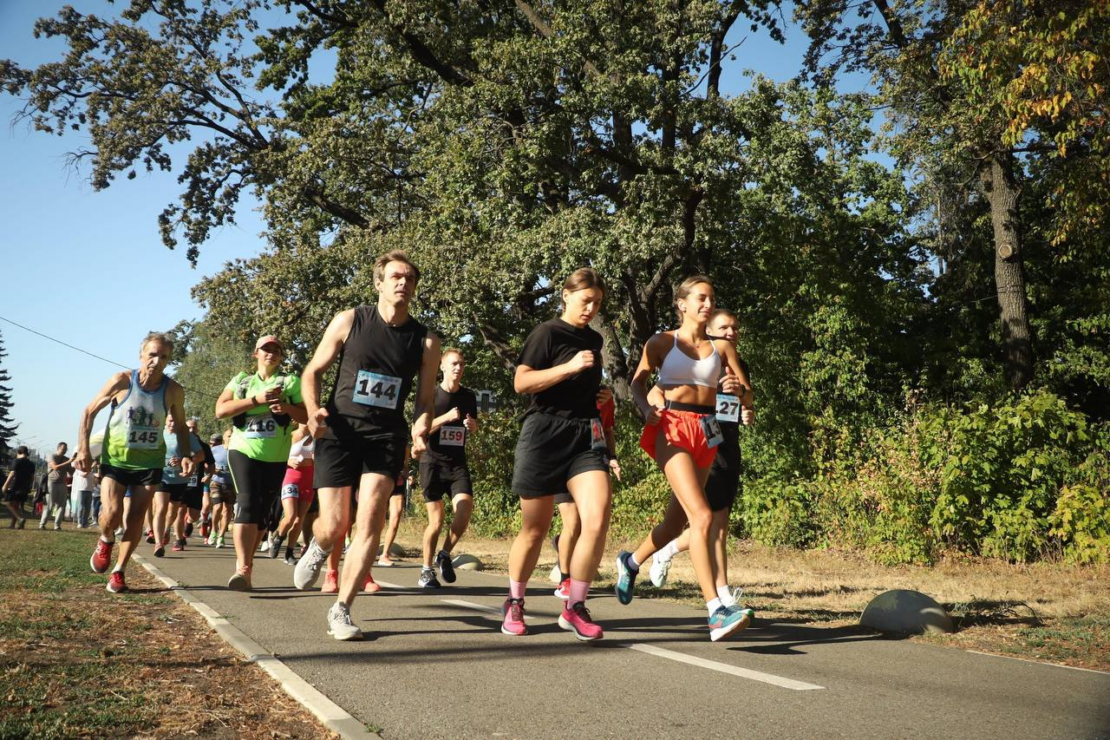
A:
(17, 495)
(399, 485)
(194, 497)
(221, 493)
(552, 450)
(724, 476)
(438, 479)
(257, 485)
(343, 462)
(681, 429)
(298, 484)
(148, 477)
(177, 491)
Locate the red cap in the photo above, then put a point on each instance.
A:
(268, 339)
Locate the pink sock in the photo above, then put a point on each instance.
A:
(579, 590)
(516, 589)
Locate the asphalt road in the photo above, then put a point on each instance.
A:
(435, 664)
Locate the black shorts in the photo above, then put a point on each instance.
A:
(175, 490)
(552, 450)
(343, 462)
(257, 486)
(147, 477)
(17, 495)
(724, 476)
(563, 498)
(194, 497)
(439, 479)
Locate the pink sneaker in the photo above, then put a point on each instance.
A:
(513, 623)
(102, 556)
(115, 582)
(331, 582)
(371, 586)
(563, 592)
(577, 619)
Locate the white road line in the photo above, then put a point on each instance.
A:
(786, 683)
(1038, 662)
(479, 607)
(387, 584)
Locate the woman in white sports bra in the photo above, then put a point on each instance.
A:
(682, 434)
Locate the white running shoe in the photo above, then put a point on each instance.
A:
(340, 625)
(659, 569)
(265, 545)
(308, 567)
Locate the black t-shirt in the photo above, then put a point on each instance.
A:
(447, 444)
(24, 471)
(209, 462)
(553, 343)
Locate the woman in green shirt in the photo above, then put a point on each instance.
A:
(261, 406)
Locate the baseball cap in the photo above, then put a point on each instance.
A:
(268, 339)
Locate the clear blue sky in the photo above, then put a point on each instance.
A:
(89, 267)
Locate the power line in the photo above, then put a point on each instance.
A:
(90, 354)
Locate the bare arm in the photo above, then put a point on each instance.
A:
(530, 380)
(452, 414)
(228, 405)
(732, 361)
(8, 481)
(649, 361)
(425, 394)
(326, 354)
(175, 399)
(121, 381)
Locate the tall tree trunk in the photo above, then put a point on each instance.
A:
(1001, 188)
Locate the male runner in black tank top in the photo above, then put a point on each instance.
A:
(361, 431)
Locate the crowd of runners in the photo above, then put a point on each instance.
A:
(331, 466)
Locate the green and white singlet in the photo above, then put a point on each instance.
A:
(134, 439)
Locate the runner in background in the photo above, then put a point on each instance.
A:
(221, 492)
(297, 493)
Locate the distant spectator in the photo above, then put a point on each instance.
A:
(57, 491)
(17, 486)
(82, 496)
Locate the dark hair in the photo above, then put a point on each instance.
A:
(718, 312)
(22, 450)
(584, 278)
(394, 255)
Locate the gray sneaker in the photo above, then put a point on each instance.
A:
(275, 546)
(308, 567)
(340, 625)
(428, 579)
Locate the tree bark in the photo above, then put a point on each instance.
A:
(1003, 194)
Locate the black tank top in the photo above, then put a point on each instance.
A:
(377, 366)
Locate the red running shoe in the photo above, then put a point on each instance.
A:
(102, 556)
(331, 582)
(513, 624)
(150, 536)
(205, 529)
(178, 545)
(370, 587)
(577, 619)
(563, 592)
(115, 582)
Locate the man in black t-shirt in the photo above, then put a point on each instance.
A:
(18, 484)
(443, 469)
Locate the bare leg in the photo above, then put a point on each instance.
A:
(462, 505)
(536, 521)
(133, 523)
(687, 482)
(572, 527)
(298, 523)
(373, 500)
(718, 537)
(246, 542)
(161, 513)
(431, 532)
(593, 499)
(396, 508)
(674, 519)
(288, 516)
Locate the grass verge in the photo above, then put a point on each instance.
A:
(77, 661)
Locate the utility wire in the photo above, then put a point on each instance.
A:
(90, 354)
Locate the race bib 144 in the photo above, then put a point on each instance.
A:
(372, 389)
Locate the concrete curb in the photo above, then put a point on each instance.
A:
(330, 714)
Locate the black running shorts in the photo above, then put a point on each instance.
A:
(257, 485)
(175, 490)
(552, 450)
(724, 476)
(148, 477)
(439, 479)
(343, 462)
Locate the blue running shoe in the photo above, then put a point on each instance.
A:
(728, 620)
(626, 579)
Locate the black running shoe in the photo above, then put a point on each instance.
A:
(446, 568)
(428, 579)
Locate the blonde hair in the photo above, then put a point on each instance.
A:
(686, 287)
(451, 351)
(395, 255)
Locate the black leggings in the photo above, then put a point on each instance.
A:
(257, 485)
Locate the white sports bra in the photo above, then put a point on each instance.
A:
(679, 369)
(304, 447)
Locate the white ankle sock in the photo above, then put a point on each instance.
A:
(725, 595)
(713, 605)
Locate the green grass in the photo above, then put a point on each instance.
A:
(1066, 639)
(54, 684)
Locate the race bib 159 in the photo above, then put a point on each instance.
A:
(452, 436)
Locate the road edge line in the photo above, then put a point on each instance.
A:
(331, 715)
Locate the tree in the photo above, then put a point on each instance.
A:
(7, 426)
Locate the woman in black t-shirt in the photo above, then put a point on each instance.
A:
(561, 450)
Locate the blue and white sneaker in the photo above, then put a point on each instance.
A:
(626, 579)
(728, 620)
